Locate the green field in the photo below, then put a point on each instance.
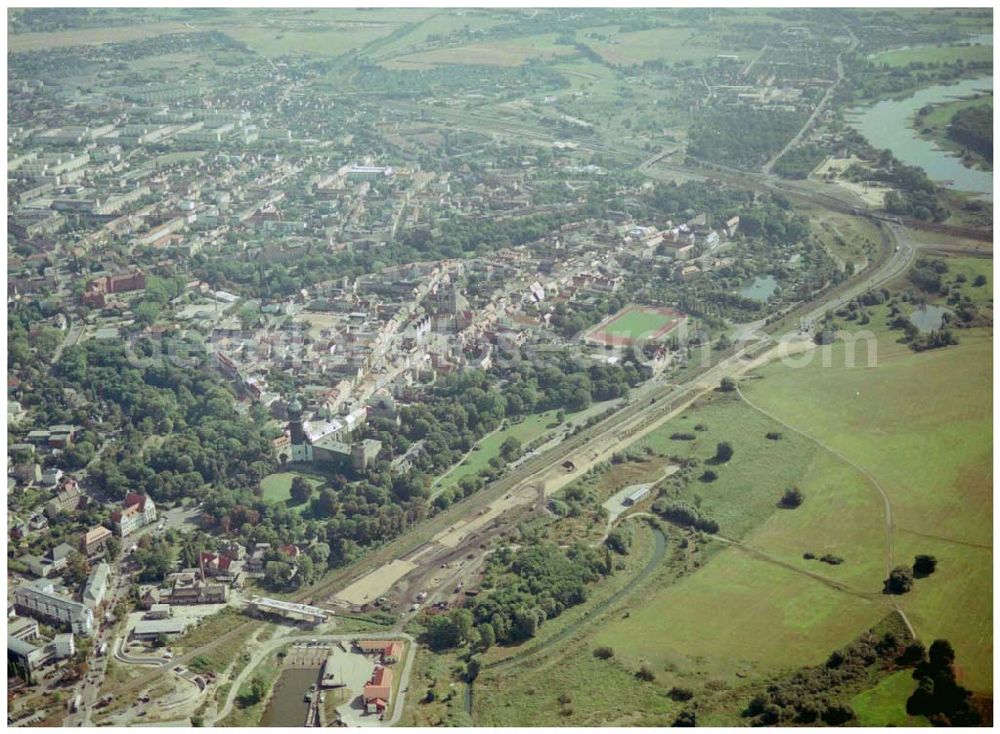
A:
(921, 424)
(276, 41)
(277, 487)
(513, 52)
(478, 459)
(672, 45)
(885, 704)
(934, 54)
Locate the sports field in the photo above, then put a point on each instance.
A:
(633, 323)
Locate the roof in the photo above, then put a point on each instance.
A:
(95, 534)
(221, 561)
(160, 626)
(61, 551)
(20, 647)
(98, 577)
(132, 499)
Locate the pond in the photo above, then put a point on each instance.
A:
(762, 288)
(928, 318)
(887, 124)
(287, 706)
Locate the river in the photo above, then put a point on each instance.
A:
(887, 124)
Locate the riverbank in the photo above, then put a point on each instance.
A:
(888, 124)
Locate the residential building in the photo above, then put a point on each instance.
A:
(97, 585)
(378, 690)
(138, 511)
(39, 599)
(95, 541)
(389, 651)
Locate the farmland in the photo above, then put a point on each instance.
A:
(672, 45)
(934, 54)
(496, 53)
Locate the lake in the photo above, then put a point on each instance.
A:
(287, 707)
(762, 288)
(886, 124)
(928, 318)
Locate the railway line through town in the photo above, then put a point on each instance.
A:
(648, 405)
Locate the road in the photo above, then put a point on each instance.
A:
(819, 108)
(266, 648)
(90, 687)
(74, 331)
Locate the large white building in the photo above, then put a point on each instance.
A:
(97, 586)
(39, 599)
(138, 511)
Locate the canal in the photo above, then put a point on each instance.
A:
(287, 706)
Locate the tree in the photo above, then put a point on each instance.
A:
(77, 569)
(619, 541)
(791, 499)
(256, 693)
(723, 452)
(301, 490)
(728, 384)
(687, 717)
(979, 281)
(319, 552)
(924, 565)
(900, 581)
(487, 636)
(442, 633)
(462, 619)
(510, 449)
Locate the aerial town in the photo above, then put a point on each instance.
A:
(364, 362)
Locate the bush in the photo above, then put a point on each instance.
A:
(728, 384)
(682, 436)
(709, 476)
(791, 499)
(645, 673)
(678, 693)
(774, 436)
(603, 652)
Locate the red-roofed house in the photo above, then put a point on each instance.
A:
(389, 651)
(213, 565)
(138, 511)
(378, 689)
